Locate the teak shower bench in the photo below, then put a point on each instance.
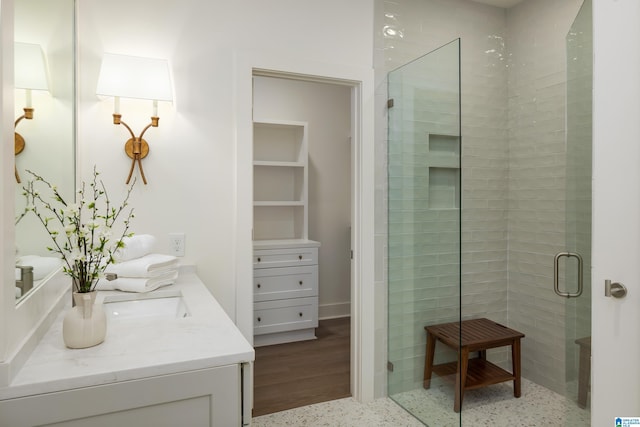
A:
(466, 337)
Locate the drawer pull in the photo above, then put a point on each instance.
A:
(299, 256)
(259, 259)
(300, 314)
(259, 319)
(300, 282)
(259, 286)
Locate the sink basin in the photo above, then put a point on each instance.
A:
(141, 306)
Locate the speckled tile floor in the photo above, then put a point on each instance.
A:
(492, 406)
(341, 413)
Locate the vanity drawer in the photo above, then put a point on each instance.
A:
(288, 282)
(290, 257)
(285, 315)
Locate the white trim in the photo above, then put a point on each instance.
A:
(362, 287)
(7, 182)
(334, 310)
(362, 292)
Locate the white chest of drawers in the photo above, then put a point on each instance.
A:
(285, 289)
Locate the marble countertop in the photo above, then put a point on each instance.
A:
(137, 348)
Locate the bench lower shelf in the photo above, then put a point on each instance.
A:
(480, 373)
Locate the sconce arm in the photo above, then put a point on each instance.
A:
(28, 114)
(117, 121)
(144, 130)
(19, 140)
(136, 148)
(18, 120)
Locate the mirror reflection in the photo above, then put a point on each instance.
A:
(44, 113)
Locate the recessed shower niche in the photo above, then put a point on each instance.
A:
(444, 172)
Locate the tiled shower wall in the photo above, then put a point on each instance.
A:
(422, 26)
(537, 181)
(513, 112)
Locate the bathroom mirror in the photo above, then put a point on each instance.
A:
(49, 137)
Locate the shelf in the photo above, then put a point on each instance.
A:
(279, 141)
(280, 174)
(278, 164)
(479, 374)
(278, 184)
(275, 203)
(278, 221)
(284, 243)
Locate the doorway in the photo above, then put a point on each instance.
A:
(312, 207)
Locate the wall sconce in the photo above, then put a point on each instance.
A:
(30, 73)
(135, 77)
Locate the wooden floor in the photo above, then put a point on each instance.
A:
(291, 375)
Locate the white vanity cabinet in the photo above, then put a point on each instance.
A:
(207, 397)
(151, 370)
(285, 261)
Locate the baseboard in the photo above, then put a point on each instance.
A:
(284, 337)
(335, 310)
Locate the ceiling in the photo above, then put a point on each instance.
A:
(500, 3)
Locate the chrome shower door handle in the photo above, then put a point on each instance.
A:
(556, 274)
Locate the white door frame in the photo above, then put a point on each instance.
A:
(616, 210)
(362, 168)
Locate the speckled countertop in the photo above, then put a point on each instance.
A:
(137, 348)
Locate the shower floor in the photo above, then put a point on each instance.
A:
(495, 406)
(492, 406)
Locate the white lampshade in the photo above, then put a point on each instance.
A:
(135, 77)
(30, 67)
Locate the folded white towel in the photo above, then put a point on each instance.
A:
(135, 247)
(132, 284)
(152, 265)
(42, 265)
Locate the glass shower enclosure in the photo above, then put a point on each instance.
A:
(424, 233)
(497, 230)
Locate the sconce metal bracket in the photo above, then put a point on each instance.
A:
(129, 148)
(136, 147)
(18, 140)
(18, 143)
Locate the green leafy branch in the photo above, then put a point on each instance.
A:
(80, 231)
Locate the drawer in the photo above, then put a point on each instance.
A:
(284, 283)
(290, 257)
(285, 315)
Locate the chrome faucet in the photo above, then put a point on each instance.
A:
(25, 283)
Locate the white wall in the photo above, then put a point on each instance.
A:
(197, 168)
(191, 165)
(616, 243)
(327, 110)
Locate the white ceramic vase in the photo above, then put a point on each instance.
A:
(84, 325)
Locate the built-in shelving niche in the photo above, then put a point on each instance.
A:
(280, 180)
(444, 171)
